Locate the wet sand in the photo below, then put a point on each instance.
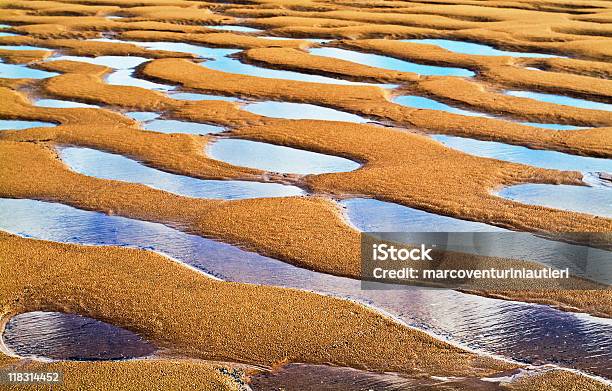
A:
(261, 325)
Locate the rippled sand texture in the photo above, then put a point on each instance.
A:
(188, 315)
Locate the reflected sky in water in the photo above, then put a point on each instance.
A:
(276, 158)
(110, 166)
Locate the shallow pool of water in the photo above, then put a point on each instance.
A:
(60, 336)
(242, 29)
(15, 71)
(419, 102)
(195, 96)
(62, 104)
(301, 111)
(562, 100)
(232, 65)
(475, 48)
(181, 47)
(6, 124)
(173, 126)
(276, 158)
(375, 60)
(116, 167)
(533, 333)
(533, 157)
(377, 216)
(4, 34)
(115, 62)
(142, 116)
(595, 200)
(22, 47)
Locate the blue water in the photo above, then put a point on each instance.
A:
(199, 51)
(277, 158)
(5, 26)
(173, 126)
(532, 333)
(532, 157)
(6, 124)
(195, 96)
(232, 65)
(61, 104)
(596, 200)
(142, 116)
(3, 34)
(124, 77)
(242, 29)
(475, 48)
(370, 215)
(419, 102)
(115, 62)
(301, 111)
(15, 71)
(116, 167)
(562, 100)
(22, 47)
(385, 62)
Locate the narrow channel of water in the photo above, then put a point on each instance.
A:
(62, 104)
(419, 102)
(241, 29)
(526, 332)
(475, 48)
(595, 200)
(16, 71)
(276, 158)
(173, 126)
(60, 336)
(385, 62)
(6, 124)
(533, 157)
(562, 100)
(290, 110)
(116, 167)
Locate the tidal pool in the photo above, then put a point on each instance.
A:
(196, 96)
(23, 47)
(5, 34)
(115, 62)
(173, 126)
(289, 110)
(16, 71)
(595, 200)
(242, 29)
(60, 336)
(142, 116)
(533, 157)
(116, 167)
(419, 102)
(6, 124)
(562, 100)
(527, 332)
(379, 61)
(276, 158)
(475, 48)
(232, 65)
(62, 104)
(372, 215)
